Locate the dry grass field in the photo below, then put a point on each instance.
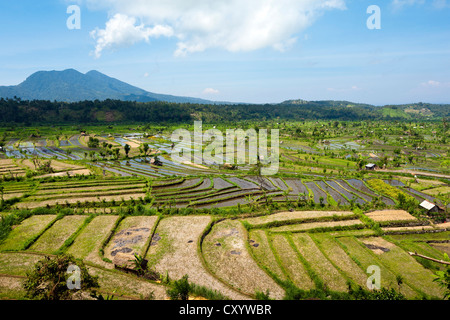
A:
(54, 238)
(88, 243)
(174, 251)
(290, 262)
(263, 254)
(302, 227)
(131, 237)
(226, 254)
(25, 231)
(295, 215)
(324, 269)
(390, 215)
(230, 260)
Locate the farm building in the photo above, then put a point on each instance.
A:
(431, 207)
(371, 166)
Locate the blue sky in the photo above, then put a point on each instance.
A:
(253, 51)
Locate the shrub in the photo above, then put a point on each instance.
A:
(207, 293)
(381, 294)
(262, 295)
(180, 289)
(443, 279)
(49, 279)
(392, 192)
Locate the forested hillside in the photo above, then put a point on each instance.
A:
(41, 111)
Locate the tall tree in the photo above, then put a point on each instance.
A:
(127, 148)
(144, 149)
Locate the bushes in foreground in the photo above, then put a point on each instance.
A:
(50, 279)
(294, 293)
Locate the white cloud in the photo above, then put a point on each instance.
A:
(441, 4)
(210, 91)
(436, 84)
(122, 30)
(432, 83)
(399, 4)
(233, 25)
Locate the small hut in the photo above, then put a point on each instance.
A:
(430, 207)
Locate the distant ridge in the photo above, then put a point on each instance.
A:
(72, 86)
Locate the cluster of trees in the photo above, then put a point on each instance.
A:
(40, 111)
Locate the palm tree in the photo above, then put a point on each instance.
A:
(361, 163)
(144, 149)
(127, 149)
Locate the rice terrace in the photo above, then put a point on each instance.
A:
(349, 197)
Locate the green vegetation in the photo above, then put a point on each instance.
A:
(443, 279)
(40, 111)
(382, 187)
(95, 190)
(50, 277)
(180, 289)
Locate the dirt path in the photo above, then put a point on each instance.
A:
(225, 252)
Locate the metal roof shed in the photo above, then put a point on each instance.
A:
(370, 166)
(428, 205)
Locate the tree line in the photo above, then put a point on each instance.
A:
(31, 112)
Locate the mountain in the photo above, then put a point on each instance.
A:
(71, 86)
